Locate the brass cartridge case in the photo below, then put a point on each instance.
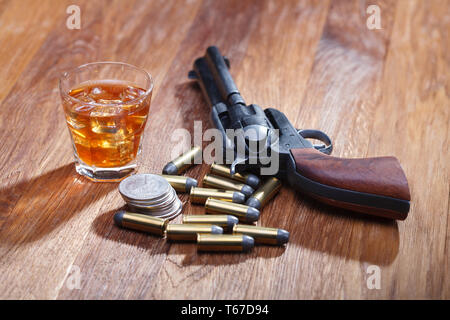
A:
(263, 235)
(264, 193)
(221, 220)
(199, 195)
(183, 162)
(241, 211)
(224, 171)
(188, 232)
(180, 183)
(213, 181)
(140, 222)
(224, 242)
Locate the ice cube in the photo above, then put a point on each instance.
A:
(102, 128)
(72, 122)
(126, 148)
(83, 96)
(96, 91)
(109, 101)
(80, 139)
(84, 108)
(131, 93)
(106, 112)
(106, 120)
(73, 115)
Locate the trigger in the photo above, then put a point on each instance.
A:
(326, 148)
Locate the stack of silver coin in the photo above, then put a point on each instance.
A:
(150, 194)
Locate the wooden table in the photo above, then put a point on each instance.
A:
(376, 92)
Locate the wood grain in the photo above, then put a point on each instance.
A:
(375, 92)
(24, 25)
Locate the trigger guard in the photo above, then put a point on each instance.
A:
(326, 148)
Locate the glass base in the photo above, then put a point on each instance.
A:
(105, 174)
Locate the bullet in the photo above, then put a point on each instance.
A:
(183, 162)
(226, 184)
(199, 195)
(140, 222)
(188, 232)
(224, 242)
(264, 193)
(241, 211)
(180, 183)
(223, 171)
(222, 220)
(263, 235)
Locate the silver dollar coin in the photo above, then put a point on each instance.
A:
(144, 187)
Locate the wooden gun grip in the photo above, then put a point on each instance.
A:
(359, 182)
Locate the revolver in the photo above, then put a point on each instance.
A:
(254, 139)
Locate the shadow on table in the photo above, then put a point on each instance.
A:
(192, 257)
(104, 227)
(346, 234)
(34, 208)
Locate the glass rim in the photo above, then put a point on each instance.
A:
(96, 104)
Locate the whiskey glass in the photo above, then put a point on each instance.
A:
(106, 106)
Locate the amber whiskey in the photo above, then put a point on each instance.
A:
(106, 120)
